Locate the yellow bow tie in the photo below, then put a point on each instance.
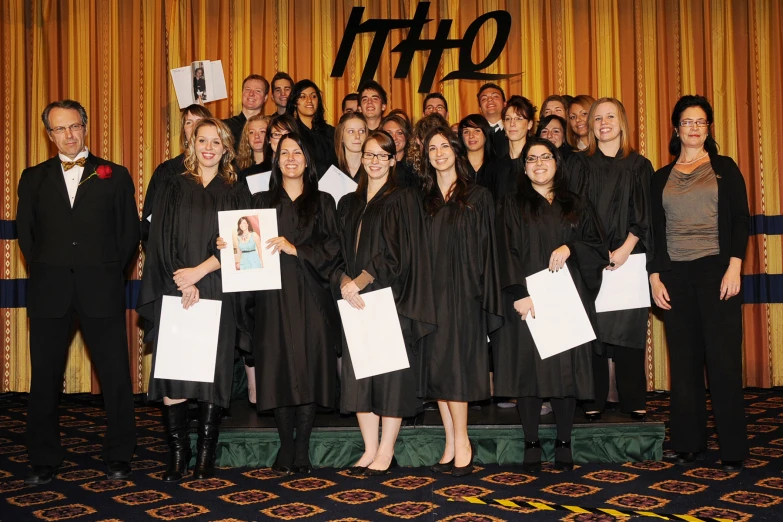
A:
(68, 165)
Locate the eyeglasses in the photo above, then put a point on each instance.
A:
(382, 157)
(278, 135)
(429, 109)
(694, 123)
(76, 127)
(513, 119)
(542, 157)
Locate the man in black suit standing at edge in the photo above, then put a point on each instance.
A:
(78, 229)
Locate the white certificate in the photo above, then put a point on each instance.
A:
(258, 182)
(246, 263)
(561, 322)
(187, 340)
(625, 288)
(374, 335)
(336, 183)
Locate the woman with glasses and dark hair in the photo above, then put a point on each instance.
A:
(701, 223)
(182, 262)
(296, 330)
(306, 105)
(544, 226)
(616, 180)
(384, 244)
(455, 359)
(553, 128)
(483, 165)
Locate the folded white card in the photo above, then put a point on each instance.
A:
(258, 182)
(336, 183)
(625, 288)
(374, 335)
(561, 322)
(187, 340)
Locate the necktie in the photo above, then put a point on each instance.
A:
(68, 165)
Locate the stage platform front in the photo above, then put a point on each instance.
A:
(248, 439)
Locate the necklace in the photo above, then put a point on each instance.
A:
(693, 160)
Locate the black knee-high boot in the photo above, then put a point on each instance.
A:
(305, 418)
(284, 420)
(178, 430)
(208, 432)
(529, 413)
(564, 418)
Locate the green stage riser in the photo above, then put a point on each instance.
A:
(423, 446)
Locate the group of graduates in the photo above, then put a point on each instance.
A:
(452, 218)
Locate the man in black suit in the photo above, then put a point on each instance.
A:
(491, 100)
(78, 229)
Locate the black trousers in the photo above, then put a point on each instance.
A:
(701, 329)
(108, 344)
(629, 374)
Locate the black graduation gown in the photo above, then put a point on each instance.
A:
(506, 171)
(392, 247)
(490, 171)
(320, 141)
(183, 232)
(296, 330)
(455, 358)
(619, 189)
(524, 248)
(162, 172)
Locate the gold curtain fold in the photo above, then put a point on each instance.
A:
(115, 56)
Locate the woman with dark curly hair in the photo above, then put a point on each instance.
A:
(701, 223)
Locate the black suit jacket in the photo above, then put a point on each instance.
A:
(77, 256)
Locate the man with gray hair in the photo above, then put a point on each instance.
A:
(78, 229)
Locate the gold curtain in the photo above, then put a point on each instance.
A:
(114, 56)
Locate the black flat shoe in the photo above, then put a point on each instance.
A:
(562, 464)
(369, 472)
(279, 468)
(732, 465)
(442, 467)
(303, 470)
(639, 416)
(532, 449)
(688, 458)
(356, 471)
(593, 416)
(464, 470)
(118, 470)
(40, 474)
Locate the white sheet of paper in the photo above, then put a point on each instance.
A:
(187, 340)
(336, 183)
(248, 277)
(625, 288)
(374, 335)
(182, 78)
(258, 182)
(561, 321)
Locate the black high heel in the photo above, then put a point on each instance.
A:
(560, 464)
(464, 470)
(369, 472)
(532, 465)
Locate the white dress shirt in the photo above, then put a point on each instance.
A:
(74, 175)
(498, 126)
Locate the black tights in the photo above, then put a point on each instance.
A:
(294, 452)
(530, 413)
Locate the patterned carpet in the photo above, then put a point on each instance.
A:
(80, 492)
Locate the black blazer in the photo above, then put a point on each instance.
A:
(733, 213)
(77, 256)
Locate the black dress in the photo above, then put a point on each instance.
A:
(524, 248)
(392, 247)
(162, 172)
(183, 234)
(619, 189)
(296, 330)
(455, 359)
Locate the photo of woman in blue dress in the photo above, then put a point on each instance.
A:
(247, 246)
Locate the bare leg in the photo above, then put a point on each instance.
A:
(368, 424)
(251, 383)
(172, 402)
(448, 427)
(459, 417)
(385, 453)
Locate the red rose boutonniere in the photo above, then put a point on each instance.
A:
(103, 172)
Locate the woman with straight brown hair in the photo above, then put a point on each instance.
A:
(348, 139)
(616, 180)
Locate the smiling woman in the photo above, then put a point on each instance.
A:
(306, 105)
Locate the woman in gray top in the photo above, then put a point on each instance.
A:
(700, 228)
